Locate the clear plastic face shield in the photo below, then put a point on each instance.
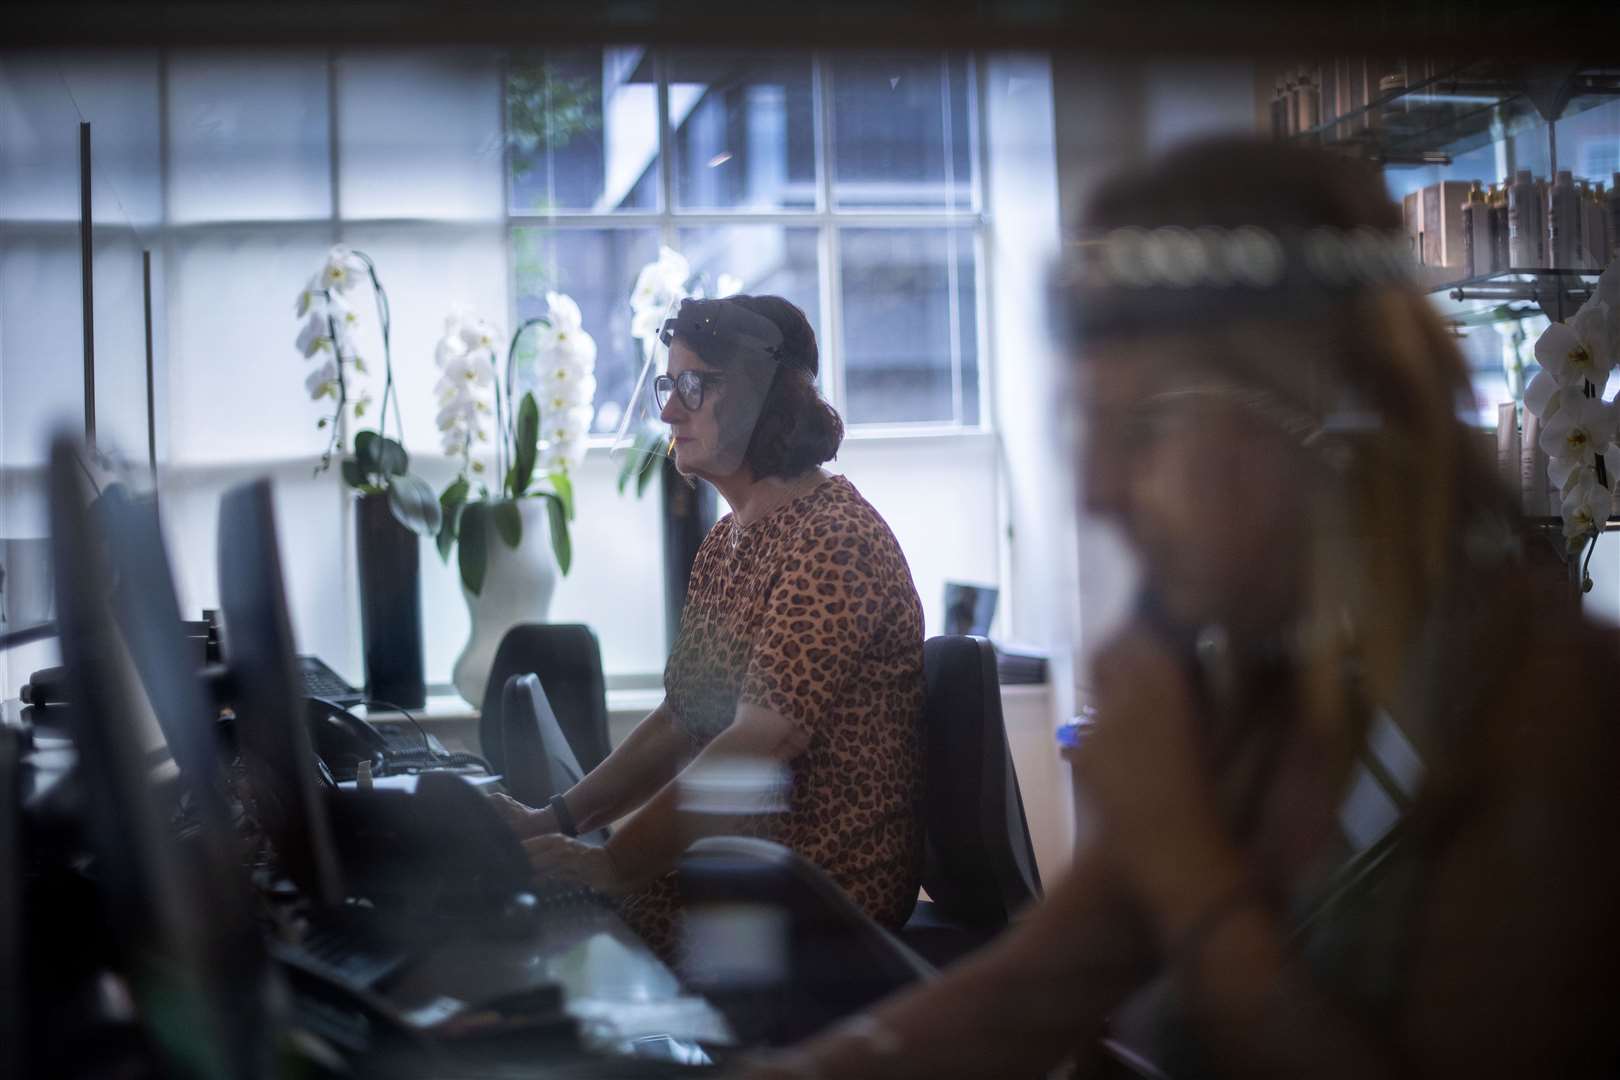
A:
(701, 391)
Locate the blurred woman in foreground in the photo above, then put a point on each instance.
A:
(1353, 774)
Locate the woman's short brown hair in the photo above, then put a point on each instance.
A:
(797, 429)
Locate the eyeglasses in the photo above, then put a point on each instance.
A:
(688, 384)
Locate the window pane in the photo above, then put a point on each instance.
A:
(425, 268)
(419, 135)
(771, 259)
(582, 130)
(248, 137)
(41, 346)
(909, 325)
(236, 377)
(598, 268)
(745, 133)
(901, 131)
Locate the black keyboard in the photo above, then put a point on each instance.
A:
(355, 948)
(555, 897)
(322, 682)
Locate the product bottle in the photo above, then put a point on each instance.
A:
(1478, 249)
(1602, 248)
(1591, 218)
(1527, 225)
(1565, 248)
(1611, 203)
(1279, 110)
(1497, 198)
(1310, 100)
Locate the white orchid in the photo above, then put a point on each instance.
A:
(1585, 508)
(481, 338)
(1578, 426)
(562, 312)
(1581, 350)
(1544, 397)
(1581, 429)
(343, 270)
(563, 389)
(311, 296)
(1567, 473)
(662, 281)
(323, 381)
(314, 336)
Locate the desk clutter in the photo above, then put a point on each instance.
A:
(202, 897)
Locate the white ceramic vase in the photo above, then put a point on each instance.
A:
(518, 584)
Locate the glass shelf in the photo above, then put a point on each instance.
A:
(1513, 294)
(1435, 120)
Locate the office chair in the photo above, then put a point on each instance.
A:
(540, 762)
(979, 867)
(568, 662)
(836, 961)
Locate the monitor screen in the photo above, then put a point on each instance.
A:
(258, 648)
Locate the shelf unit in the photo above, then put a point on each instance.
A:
(1464, 108)
(1460, 109)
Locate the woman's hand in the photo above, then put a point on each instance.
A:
(524, 821)
(1143, 771)
(554, 855)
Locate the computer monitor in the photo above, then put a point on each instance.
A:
(13, 1001)
(147, 610)
(181, 918)
(271, 735)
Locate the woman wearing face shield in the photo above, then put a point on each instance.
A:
(1351, 782)
(799, 659)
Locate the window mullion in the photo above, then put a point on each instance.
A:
(832, 304)
(666, 144)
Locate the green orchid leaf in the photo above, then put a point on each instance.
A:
(649, 465)
(627, 469)
(508, 521)
(527, 448)
(353, 474)
(564, 488)
(367, 452)
(392, 458)
(414, 505)
(451, 501)
(560, 542)
(472, 555)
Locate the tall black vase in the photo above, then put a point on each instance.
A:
(389, 556)
(690, 511)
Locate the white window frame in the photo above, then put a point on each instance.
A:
(829, 222)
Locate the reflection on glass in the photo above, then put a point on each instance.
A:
(744, 127)
(902, 132)
(249, 137)
(771, 259)
(910, 326)
(597, 267)
(582, 130)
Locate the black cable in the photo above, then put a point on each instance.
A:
(458, 757)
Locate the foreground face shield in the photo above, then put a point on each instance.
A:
(700, 393)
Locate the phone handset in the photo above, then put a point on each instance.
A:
(343, 740)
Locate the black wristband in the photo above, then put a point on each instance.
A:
(565, 820)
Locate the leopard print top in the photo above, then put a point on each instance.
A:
(811, 613)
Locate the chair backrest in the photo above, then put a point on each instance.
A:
(980, 861)
(539, 761)
(835, 962)
(568, 662)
